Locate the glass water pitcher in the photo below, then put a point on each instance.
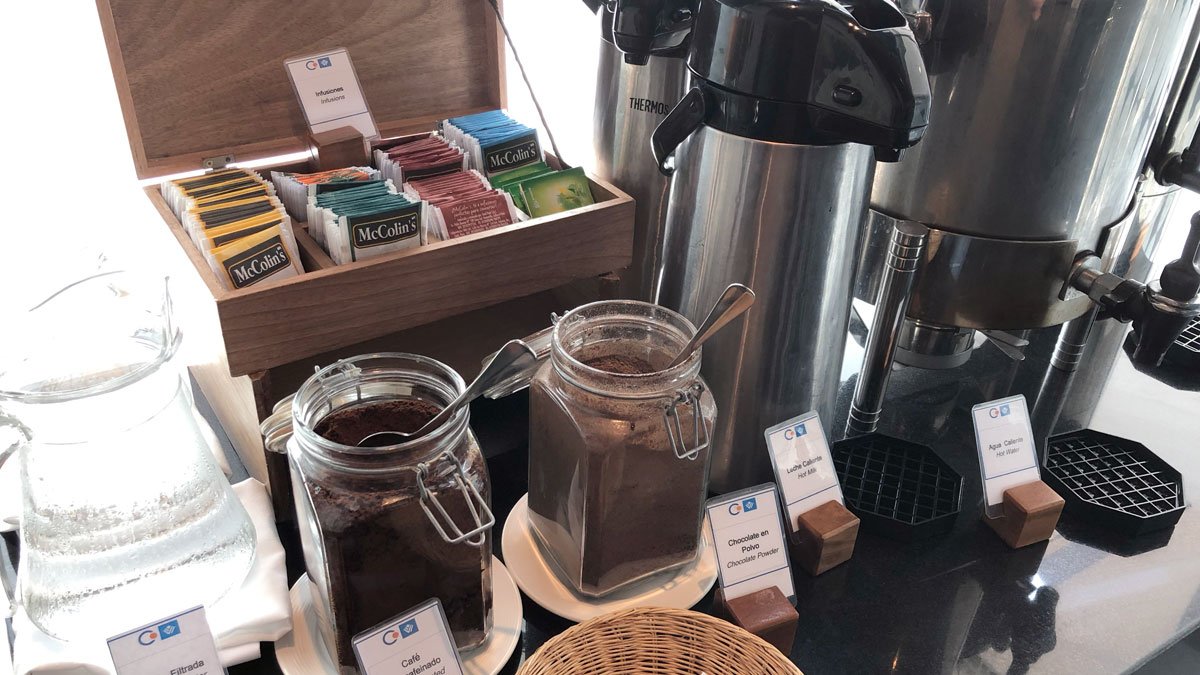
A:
(125, 516)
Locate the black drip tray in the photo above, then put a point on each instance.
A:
(899, 489)
(1115, 482)
(1185, 351)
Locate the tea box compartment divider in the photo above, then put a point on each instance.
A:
(206, 80)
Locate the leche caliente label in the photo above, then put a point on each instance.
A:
(513, 154)
(381, 229)
(252, 266)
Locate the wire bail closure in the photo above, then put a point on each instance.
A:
(471, 495)
(671, 418)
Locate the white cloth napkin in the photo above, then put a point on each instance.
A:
(259, 611)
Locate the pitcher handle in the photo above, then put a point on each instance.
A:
(20, 431)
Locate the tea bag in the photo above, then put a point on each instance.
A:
(368, 221)
(268, 254)
(295, 188)
(495, 142)
(238, 223)
(463, 203)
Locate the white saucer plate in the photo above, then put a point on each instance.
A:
(679, 589)
(302, 652)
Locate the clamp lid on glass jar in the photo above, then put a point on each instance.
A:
(384, 529)
(618, 446)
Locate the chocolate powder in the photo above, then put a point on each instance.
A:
(611, 503)
(383, 555)
(623, 364)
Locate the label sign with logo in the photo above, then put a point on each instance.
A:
(803, 465)
(177, 645)
(512, 154)
(748, 536)
(258, 263)
(1007, 453)
(417, 642)
(329, 92)
(380, 229)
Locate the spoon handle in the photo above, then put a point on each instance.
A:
(734, 300)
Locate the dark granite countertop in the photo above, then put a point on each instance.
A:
(1086, 601)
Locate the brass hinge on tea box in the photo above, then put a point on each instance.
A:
(218, 162)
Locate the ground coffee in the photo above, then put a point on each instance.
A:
(382, 554)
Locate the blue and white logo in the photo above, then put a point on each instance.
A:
(745, 505)
(795, 432)
(164, 630)
(406, 629)
(324, 62)
(1005, 410)
(169, 629)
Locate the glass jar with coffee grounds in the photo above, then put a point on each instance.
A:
(618, 446)
(384, 529)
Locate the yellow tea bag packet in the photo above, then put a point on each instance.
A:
(268, 254)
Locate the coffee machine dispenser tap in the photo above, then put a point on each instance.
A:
(1159, 310)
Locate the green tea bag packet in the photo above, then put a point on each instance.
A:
(510, 182)
(556, 192)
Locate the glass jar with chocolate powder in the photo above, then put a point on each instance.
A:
(386, 528)
(618, 446)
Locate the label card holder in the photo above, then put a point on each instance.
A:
(1007, 452)
(181, 644)
(417, 640)
(330, 95)
(750, 542)
(803, 465)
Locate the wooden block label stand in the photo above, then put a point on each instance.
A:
(824, 537)
(1031, 513)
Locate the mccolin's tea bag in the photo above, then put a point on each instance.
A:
(556, 192)
(420, 157)
(249, 260)
(494, 142)
(462, 203)
(235, 219)
(366, 221)
(294, 189)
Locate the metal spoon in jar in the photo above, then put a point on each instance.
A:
(735, 299)
(512, 357)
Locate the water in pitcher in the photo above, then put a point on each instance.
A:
(126, 516)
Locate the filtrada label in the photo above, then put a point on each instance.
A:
(258, 263)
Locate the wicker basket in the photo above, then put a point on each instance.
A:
(657, 641)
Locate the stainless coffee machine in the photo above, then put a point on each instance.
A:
(641, 75)
(772, 153)
(1016, 209)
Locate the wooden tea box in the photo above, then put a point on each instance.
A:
(202, 84)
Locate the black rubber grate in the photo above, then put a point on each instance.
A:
(1185, 351)
(898, 487)
(1115, 479)
(1189, 339)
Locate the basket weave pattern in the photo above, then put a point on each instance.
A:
(657, 641)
